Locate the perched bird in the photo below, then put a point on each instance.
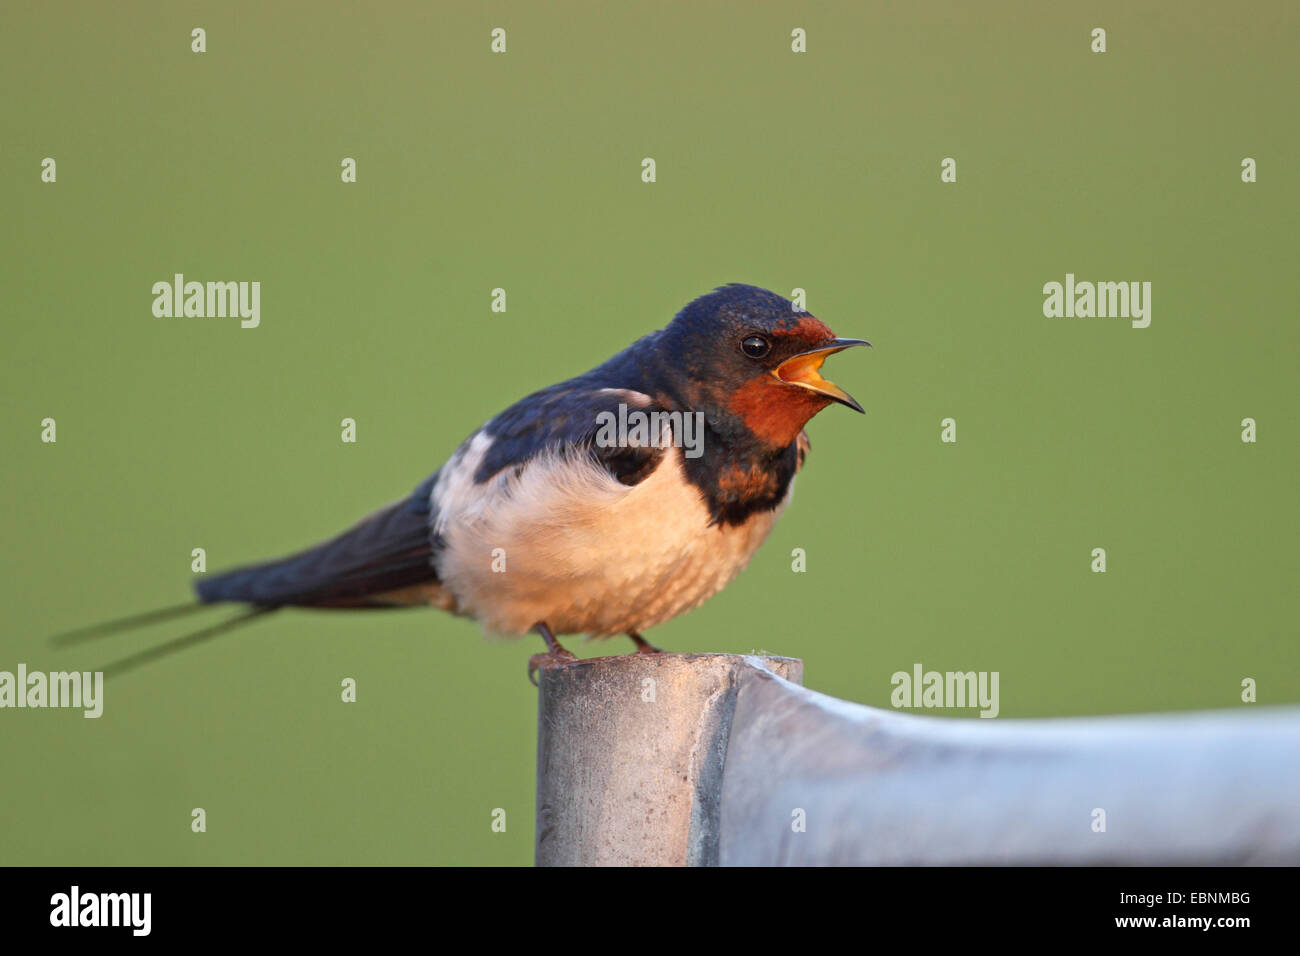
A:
(550, 519)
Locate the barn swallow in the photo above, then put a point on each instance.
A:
(547, 519)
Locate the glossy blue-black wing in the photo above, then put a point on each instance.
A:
(575, 416)
(364, 567)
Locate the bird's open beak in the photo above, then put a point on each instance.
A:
(803, 370)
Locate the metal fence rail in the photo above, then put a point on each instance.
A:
(719, 759)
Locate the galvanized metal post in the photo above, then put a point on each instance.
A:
(715, 759)
(630, 753)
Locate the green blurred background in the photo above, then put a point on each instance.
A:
(522, 171)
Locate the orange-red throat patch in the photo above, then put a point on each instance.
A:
(774, 411)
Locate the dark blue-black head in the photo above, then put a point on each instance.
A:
(745, 352)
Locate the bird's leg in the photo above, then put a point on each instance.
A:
(642, 645)
(553, 653)
(552, 645)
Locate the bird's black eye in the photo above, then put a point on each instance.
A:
(755, 346)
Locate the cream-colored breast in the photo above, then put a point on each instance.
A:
(566, 543)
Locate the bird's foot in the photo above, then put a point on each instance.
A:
(546, 660)
(643, 646)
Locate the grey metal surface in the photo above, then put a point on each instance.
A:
(630, 753)
(882, 787)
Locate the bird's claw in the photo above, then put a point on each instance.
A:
(547, 659)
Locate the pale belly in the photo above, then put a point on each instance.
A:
(568, 545)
